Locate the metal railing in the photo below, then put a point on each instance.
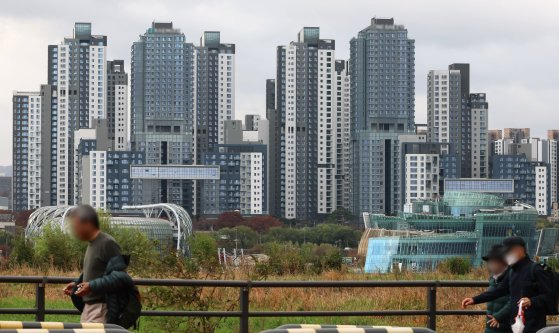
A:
(244, 313)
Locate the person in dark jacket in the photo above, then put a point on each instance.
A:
(498, 311)
(103, 268)
(116, 286)
(525, 282)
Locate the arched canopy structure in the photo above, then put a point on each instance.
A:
(54, 215)
(175, 214)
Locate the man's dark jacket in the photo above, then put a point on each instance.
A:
(524, 279)
(499, 308)
(115, 284)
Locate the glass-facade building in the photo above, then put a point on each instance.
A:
(241, 184)
(158, 230)
(480, 185)
(546, 242)
(382, 70)
(198, 172)
(462, 224)
(528, 176)
(163, 107)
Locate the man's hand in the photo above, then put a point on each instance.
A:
(493, 322)
(467, 302)
(83, 289)
(69, 287)
(526, 303)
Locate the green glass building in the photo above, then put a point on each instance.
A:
(462, 224)
(156, 229)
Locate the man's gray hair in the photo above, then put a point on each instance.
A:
(85, 213)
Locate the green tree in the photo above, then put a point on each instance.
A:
(241, 236)
(283, 234)
(334, 234)
(340, 216)
(203, 249)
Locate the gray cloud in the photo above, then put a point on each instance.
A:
(511, 45)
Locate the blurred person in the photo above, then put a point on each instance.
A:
(526, 282)
(498, 311)
(101, 291)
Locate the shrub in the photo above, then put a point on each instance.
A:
(55, 248)
(203, 249)
(22, 251)
(456, 265)
(289, 258)
(553, 263)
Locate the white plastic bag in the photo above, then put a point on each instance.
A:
(519, 321)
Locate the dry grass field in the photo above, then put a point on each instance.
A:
(285, 299)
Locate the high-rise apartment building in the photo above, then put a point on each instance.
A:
(459, 117)
(343, 135)
(243, 180)
(32, 151)
(83, 91)
(215, 90)
(26, 150)
(463, 145)
(214, 97)
(163, 90)
(274, 149)
(382, 70)
(117, 104)
(304, 127)
(479, 138)
(77, 70)
(444, 105)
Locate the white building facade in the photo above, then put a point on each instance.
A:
(542, 190)
(443, 104)
(34, 151)
(422, 176)
(252, 183)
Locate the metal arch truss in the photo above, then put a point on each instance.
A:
(55, 215)
(177, 215)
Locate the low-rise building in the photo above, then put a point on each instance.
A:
(462, 224)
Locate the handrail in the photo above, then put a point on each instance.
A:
(244, 286)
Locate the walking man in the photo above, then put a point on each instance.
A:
(526, 282)
(103, 269)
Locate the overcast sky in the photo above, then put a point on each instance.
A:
(512, 46)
